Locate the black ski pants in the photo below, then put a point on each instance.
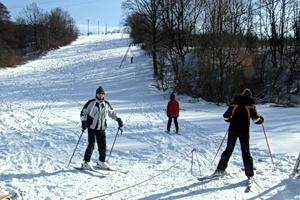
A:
(170, 122)
(100, 137)
(244, 141)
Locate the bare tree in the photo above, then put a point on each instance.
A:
(294, 50)
(223, 47)
(8, 56)
(4, 13)
(61, 29)
(33, 16)
(137, 31)
(276, 14)
(149, 11)
(180, 19)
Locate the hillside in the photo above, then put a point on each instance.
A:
(40, 126)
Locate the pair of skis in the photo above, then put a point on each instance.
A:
(113, 170)
(93, 171)
(215, 177)
(170, 133)
(101, 171)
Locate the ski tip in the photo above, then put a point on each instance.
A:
(205, 178)
(248, 189)
(79, 168)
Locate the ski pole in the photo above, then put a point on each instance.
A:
(114, 141)
(262, 125)
(76, 147)
(296, 165)
(220, 146)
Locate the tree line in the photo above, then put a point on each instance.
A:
(215, 48)
(33, 33)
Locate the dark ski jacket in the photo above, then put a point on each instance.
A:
(173, 107)
(239, 113)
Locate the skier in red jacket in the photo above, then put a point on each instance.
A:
(172, 112)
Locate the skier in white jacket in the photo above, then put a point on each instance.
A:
(93, 117)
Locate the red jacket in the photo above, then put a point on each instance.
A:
(173, 107)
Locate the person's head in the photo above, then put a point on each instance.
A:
(172, 96)
(100, 93)
(247, 93)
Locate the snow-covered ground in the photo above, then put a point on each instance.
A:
(40, 103)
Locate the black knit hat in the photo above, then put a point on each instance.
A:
(246, 92)
(100, 90)
(172, 96)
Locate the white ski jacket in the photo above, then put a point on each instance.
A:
(95, 112)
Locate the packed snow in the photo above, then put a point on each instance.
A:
(40, 127)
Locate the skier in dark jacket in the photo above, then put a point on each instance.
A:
(173, 112)
(93, 116)
(238, 115)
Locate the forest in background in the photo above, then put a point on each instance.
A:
(210, 49)
(213, 49)
(33, 33)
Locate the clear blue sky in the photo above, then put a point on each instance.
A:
(104, 12)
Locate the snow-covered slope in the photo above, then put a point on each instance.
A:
(40, 103)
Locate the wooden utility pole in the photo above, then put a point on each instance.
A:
(88, 31)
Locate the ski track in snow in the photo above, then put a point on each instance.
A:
(40, 126)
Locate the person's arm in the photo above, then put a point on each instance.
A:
(112, 114)
(83, 115)
(257, 119)
(168, 108)
(228, 113)
(110, 111)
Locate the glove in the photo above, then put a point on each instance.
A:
(120, 122)
(260, 121)
(228, 120)
(84, 125)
